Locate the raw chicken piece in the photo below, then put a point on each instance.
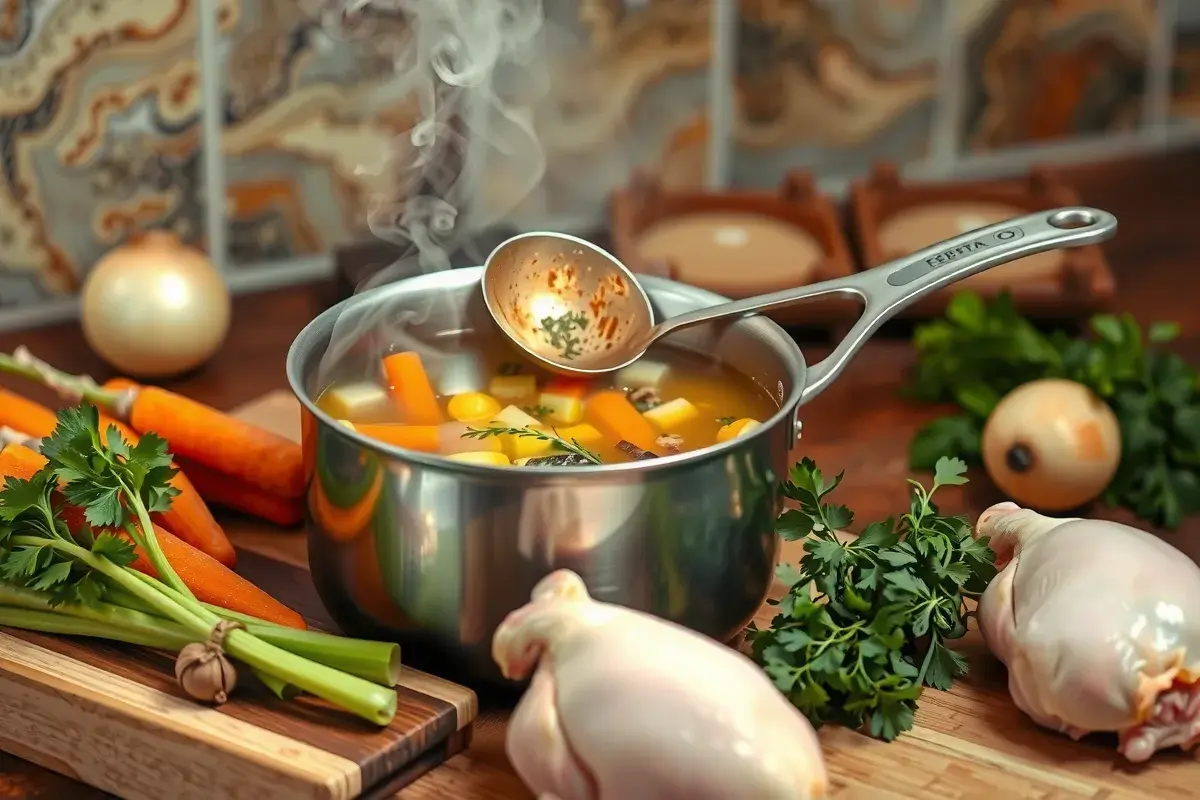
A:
(1099, 626)
(624, 706)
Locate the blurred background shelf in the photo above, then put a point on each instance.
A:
(103, 132)
(891, 217)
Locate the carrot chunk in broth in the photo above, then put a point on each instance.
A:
(411, 389)
(411, 437)
(612, 413)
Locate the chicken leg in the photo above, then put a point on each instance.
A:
(537, 746)
(625, 706)
(1099, 626)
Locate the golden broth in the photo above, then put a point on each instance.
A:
(688, 402)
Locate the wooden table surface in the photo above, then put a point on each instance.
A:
(968, 743)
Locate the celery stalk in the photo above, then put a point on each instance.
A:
(277, 686)
(95, 472)
(357, 695)
(117, 596)
(55, 622)
(378, 662)
(351, 692)
(105, 621)
(111, 617)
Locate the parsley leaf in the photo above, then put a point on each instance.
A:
(793, 525)
(23, 563)
(104, 474)
(33, 532)
(99, 471)
(51, 576)
(19, 497)
(949, 472)
(979, 352)
(944, 665)
(117, 485)
(865, 625)
(116, 549)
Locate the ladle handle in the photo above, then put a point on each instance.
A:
(892, 287)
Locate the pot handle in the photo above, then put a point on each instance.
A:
(892, 287)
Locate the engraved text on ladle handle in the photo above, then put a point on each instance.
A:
(891, 287)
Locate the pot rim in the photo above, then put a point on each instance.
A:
(472, 275)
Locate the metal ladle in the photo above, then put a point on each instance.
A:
(579, 311)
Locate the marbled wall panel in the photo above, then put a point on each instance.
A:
(312, 113)
(832, 85)
(1048, 70)
(1185, 66)
(98, 111)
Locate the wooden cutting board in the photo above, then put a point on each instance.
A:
(112, 716)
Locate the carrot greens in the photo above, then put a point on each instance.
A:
(80, 582)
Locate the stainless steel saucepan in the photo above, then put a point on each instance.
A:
(434, 553)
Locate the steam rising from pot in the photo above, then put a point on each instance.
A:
(471, 72)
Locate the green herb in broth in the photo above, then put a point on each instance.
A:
(560, 332)
(537, 411)
(571, 446)
(644, 398)
(723, 421)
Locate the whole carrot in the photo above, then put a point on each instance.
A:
(224, 491)
(34, 419)
(188, 517)
(20, 462)
(243, 451)
(216, 584)
(30, 418)
(210, 581)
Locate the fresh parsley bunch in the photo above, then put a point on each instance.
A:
(865, 625)
(980, 352)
